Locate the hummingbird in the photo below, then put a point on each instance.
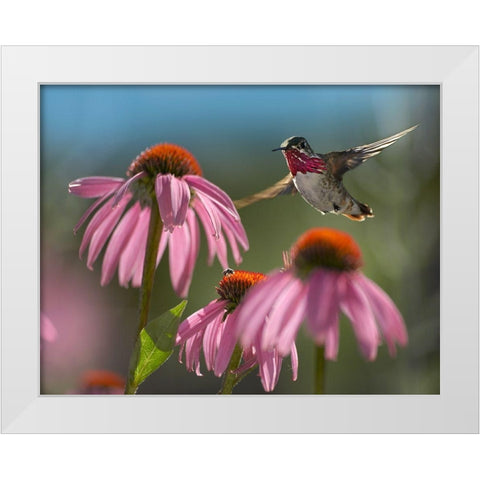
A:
(318, 176)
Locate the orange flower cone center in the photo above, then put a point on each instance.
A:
(235, 284)
(325, 248)
(165, 158)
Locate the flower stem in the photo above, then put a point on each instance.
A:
(319, 380)
(230, 378)
(153, 239)
(149, 264)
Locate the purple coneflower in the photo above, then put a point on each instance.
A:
(170, 176)
(321, 279)
(214, 328)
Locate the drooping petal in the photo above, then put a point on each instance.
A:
(286, 337)
(165, 236)
(180, 200)
(173, 196)
(192, 353)
(257, 303)
(227, 344)
(208, 228)
(92, 187)
(48, 332)
(211, 340)
(386, 313)
(212, 213)
(181, 270)
(236, 227)
(282, 311)
(233, 244)
(355, 305)
(117, 243)
(103, 212)
(331, 341)
(136, 243)
(192, 225)
(214, 193)
(222, 254)
(198, 320)
(322, 302)
(164, 199)
(90, 210)
(270, 364)
(294, 361)
(102, 233)
(123, 189)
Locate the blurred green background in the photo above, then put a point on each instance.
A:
(231, 130)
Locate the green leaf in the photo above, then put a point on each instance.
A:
(154, 346)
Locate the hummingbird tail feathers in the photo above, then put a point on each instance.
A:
(365, 211)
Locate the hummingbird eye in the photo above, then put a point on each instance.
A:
(302, 145)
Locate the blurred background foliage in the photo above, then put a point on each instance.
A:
(231, 130)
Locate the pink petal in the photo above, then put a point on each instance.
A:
(136, 243)
(198, 320)
(192, 353)
(215, 194)
(249, 359)
(92, 187)
(165, 236)
(90, 210)
(123, 189)
(388, 317)
(331, 341)
(192, 226)
(180, 257)
(227, 344)
(294, 361)
(173, 196)
(117, 243)
(322, 302)
(222, 254)
(95, 223)
(180, 200)
(211, 340)
(355, 305)
(290, 328)
(270, 364)
(102, 233)
(236, 227)
(257, 303)
(48, 332)
(212, 214)
(281, 313)
(207, 226)
(233, 244)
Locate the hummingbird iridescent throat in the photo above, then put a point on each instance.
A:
(318, 176)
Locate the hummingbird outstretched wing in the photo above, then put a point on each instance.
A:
(285, 186)
(341, 162)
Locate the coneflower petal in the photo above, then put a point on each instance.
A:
(355, 305)
(257, 303)
(102, 233)
(386, 313)
(117, 243)
(227, 344)
(198, 320)
(137, 240)
(322, 303)
(92, 187)
(214, 193)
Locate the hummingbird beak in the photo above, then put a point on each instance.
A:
(279, 148)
